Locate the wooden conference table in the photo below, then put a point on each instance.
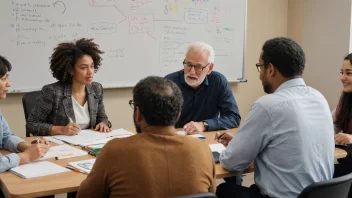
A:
(17, 187)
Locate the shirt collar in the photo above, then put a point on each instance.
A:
(291, 83)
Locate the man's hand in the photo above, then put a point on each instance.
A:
(343, 138)
(194, 128)
(223, 138)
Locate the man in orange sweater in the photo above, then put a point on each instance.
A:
(156, 162)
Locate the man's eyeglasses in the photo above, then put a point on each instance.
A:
(131, 103)
(198, 68)
(258, 65)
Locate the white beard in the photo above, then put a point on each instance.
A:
(194, 83)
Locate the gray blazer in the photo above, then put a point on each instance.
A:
(54, 108)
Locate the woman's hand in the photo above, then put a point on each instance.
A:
(102, 127)
(343, 138)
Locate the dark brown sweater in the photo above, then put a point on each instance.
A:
(151, 165)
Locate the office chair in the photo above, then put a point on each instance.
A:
(201, 195)
(28, 101)
(337, 187)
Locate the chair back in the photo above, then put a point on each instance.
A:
(28, 101)
(337, 187)
(201, 195)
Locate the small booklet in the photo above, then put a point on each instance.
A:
(37, 169)
(83, 166)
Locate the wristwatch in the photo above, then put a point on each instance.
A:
(206, 126)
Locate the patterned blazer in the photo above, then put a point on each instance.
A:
(54, 108)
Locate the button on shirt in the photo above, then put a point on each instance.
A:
(213, 102)
(290, 136)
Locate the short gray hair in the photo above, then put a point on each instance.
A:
(200, 47)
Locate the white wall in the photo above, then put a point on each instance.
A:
(326, 40)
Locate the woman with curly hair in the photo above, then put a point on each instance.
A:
(75, 102)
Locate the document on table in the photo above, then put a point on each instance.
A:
(194, 135)
(217, 147)
(52, 139)
(84, 166)
(37, 169)
(88, 136)
(63, 151)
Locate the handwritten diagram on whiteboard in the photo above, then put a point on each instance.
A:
(139, 37)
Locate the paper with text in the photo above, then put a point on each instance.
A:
(88, 136)
(63, 151)
(84, 166)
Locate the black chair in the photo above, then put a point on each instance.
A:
(28, 101)
(201, 195)
(338, 187)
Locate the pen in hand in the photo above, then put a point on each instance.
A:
(38, 139)
(220, 136)
(70, 119)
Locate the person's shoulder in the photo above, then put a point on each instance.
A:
(51, 88)
(193, 142)
(97, 88)
(174, 75)
(122, 142)
(217, 77)
(268, 101)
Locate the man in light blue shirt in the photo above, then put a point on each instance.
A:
(288, 133)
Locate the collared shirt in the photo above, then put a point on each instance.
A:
(290, 136)
(9, 142)
(213, 102)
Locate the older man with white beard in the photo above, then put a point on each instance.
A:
(209, 103)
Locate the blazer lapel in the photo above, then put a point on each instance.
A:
(93, 101)
(67, 101)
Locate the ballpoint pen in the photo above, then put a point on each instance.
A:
(70, 119)
(220, 136)
(38, 139)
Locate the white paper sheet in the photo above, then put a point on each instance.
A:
(88, 136)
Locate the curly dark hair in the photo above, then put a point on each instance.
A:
(5, 66)
(284, 54)
(159, 100)
(66, 55)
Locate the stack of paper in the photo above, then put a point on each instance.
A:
(63, 151)
(37, 169)
(84, 166)
(86, 137)
(194, 135)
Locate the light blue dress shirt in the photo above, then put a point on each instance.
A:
(290, 136)
(9, 142)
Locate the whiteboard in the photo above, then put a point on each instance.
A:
(139, 37)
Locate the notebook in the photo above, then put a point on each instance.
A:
(37, 169)
(87, 136)
(83, 166)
